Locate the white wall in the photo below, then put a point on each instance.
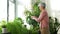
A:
(55, 8)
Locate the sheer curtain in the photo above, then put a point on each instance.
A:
(3, 10)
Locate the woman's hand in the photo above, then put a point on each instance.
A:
(33, 17)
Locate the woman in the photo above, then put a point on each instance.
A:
(43, 19)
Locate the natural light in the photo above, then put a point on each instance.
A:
(55, 4)
(26, 4)
(22, 4)
(55, 8)
(3, 10)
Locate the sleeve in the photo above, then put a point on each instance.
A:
(41, 16)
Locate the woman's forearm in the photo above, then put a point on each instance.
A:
(37, 19)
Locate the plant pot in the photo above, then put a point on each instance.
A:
(6, 33)
(4, 30)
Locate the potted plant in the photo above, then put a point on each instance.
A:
(54, 26)
(4, 29)
(35, 12)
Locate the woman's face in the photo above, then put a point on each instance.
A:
(41, 7)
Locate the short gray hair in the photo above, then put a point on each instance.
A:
(42, 4)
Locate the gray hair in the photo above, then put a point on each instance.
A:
(42, 4)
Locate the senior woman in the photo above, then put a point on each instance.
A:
(43, 19)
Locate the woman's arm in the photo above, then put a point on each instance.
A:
(41, 16)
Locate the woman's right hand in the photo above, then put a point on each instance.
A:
(33, 17)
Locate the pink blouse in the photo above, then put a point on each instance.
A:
(44, 19)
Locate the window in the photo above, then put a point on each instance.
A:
(11, 11)
(20, 7)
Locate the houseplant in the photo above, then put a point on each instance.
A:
(4, 29)
(35, 12)
(16, 27)
(54, 25)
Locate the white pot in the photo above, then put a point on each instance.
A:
(4, 30)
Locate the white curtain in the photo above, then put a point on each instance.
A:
(3, 10)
